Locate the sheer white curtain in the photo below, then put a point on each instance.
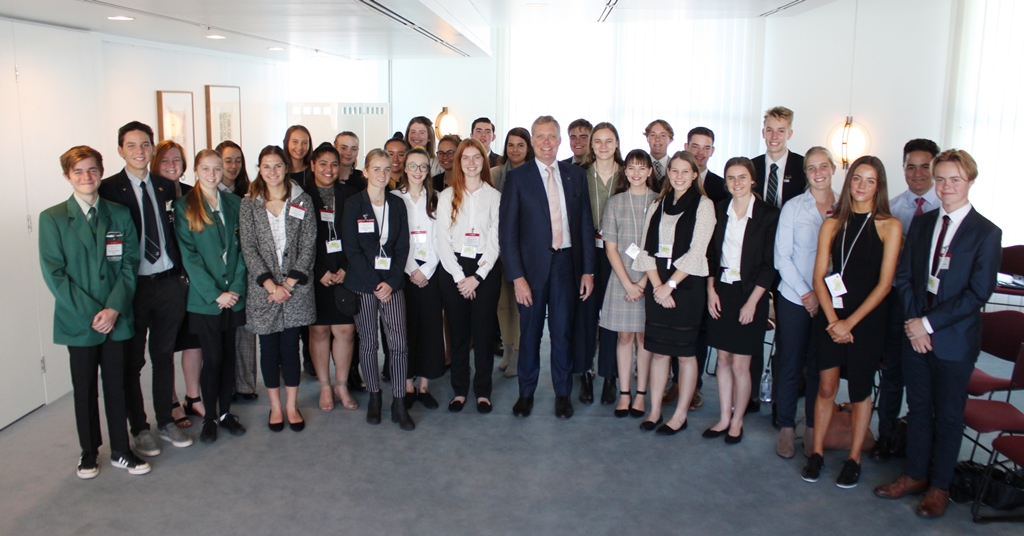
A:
(688, 72)
(987, 108)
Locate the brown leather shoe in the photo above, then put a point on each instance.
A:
(672, 394)
(901, 487)
(934, 503)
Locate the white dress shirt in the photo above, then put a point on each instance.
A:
(164, 262)
(478, 214)
(86, 206)
(735, 230)
(904, 206)
(419, 221)
(780, 174)
(796, 245)
(955, 219)
(566, 241)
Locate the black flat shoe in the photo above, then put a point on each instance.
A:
(274, 426)
(648, 426)
(620, 413)
(637, 413)
(484, 406)
(297, 426)
(732, 440)
(427, 400)
(456, 406)
(373, 409)
(712, 434)
(667, 430)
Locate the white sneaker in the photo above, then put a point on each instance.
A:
(145, 444)
(173, 435)
(131, 462)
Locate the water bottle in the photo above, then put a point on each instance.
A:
(766, 386)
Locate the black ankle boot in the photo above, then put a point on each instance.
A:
(401, 415)
(373, 409)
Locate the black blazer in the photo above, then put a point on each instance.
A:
(361, 248)
(118, 188)
(356, 180)
(794, 180)
(328, 261)
(493, 158)
(964, 288)
(714, 186)
(757, 257)
(570, 161)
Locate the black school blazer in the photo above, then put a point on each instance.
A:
(361, 248)
(757, 257)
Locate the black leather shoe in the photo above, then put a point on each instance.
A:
(563, 406)
(733, 440)
(882, 450)
(231, 424)
(409, 400)
(275, 426)
(401, 415)
(712, 434)
(586, 388)
(373, 409)
(427, 400)
(523, 406)
(355, 383)
(209, 433)
(456, 406)
(608, 391)
(297, 426)
(648, 426)
(665, 429)
(484, 406)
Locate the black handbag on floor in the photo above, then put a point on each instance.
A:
(1005, 491)
(346, 300)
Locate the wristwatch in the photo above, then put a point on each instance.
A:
(478, 278)
(672, 284)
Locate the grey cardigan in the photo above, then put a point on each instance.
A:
(265, 317)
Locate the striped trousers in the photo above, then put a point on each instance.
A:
(392, 315)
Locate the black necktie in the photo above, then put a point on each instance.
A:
(772, 193)
(938, 254)
(149, 226)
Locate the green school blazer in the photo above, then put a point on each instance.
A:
(81, 275)
(212, 257)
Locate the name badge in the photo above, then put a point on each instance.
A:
(115, 246)
(933, 284)
(633, 250)
(366, 226)
(382, 263)
(296, 211)
(420, 254)
(944, 261)
(327, 216)
(598, 238)
(664, 251)
(837, 302)
(473, 239)
(835, 285)
(168, 207)
(468, 251)
(333, 246)
(419, 236)
(731, 275)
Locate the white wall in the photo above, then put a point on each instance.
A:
(899, 73)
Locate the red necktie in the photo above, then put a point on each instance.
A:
(920, 206)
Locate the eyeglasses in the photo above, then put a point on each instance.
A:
(414, 167)
(449, 154)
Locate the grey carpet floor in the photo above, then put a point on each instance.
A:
(455, 474)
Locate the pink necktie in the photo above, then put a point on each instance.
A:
(555, 208)
(920, 206)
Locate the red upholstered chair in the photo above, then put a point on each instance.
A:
(1002, 335)
(990, 416)
(1012, 449)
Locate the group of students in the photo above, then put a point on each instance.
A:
(442, 243)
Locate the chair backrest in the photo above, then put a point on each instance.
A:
(1013, 260)
(1002, 334)
(1017, 378)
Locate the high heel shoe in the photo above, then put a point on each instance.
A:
(274, 426)
(189, 402)
(667, 430)
(633, 412)
(401, 415)
(620, 413)
(373, 409)
(297, 426)
(648, 426)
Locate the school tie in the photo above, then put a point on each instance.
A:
(920, 206)
(149, 225)
(938, 254)
(555, 208)
(659, 169)
(91, 217)
(772, 193)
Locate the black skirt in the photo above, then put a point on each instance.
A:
(186, 338)
(226, 320)
(726, 333)
(327, 313)
(673, 332)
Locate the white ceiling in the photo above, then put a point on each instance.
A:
(361, 29)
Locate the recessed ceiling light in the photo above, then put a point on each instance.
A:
(275, 49)
(120, 18)
(215, 36)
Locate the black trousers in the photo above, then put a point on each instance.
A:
(159, 309)
(86, 363)
(217, 378)
(588, 339)
(279, 356)
(472, 321)
(890, 385)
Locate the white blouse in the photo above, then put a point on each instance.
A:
(278, 226)
(735, 230)
(477, 215)
(419, 222)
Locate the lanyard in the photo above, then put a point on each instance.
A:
(332, 233)
(844, 255)
(636, 225)
(380, 227)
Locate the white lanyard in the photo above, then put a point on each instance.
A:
(844, 255)
(636, 225)
(383, 222)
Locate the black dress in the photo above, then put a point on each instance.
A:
(331, 199)
(861, 357)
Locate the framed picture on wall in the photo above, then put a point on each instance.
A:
(223, 115)
(176, 119)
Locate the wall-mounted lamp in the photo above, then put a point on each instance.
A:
(446, 123)
(849, 141)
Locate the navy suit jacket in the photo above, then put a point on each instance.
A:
(794, 179)
(524, 223)
(118, 188)
(955, 315)
(714, 186)
(360, 249)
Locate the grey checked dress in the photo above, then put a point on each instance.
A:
(623, 224)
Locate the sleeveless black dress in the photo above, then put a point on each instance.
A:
(861, 357)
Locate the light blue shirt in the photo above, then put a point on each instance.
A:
(796, 245)
(904, 205)
(164, 263)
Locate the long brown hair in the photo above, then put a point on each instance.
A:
(258, 188)
(195, 210)
(428, 184)
(844, 203)
(307, 158)
(431, 141)
(687, 157)
(591, 156)
(459, 178)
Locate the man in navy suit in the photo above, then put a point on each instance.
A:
(545, 233)
(947, 272)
